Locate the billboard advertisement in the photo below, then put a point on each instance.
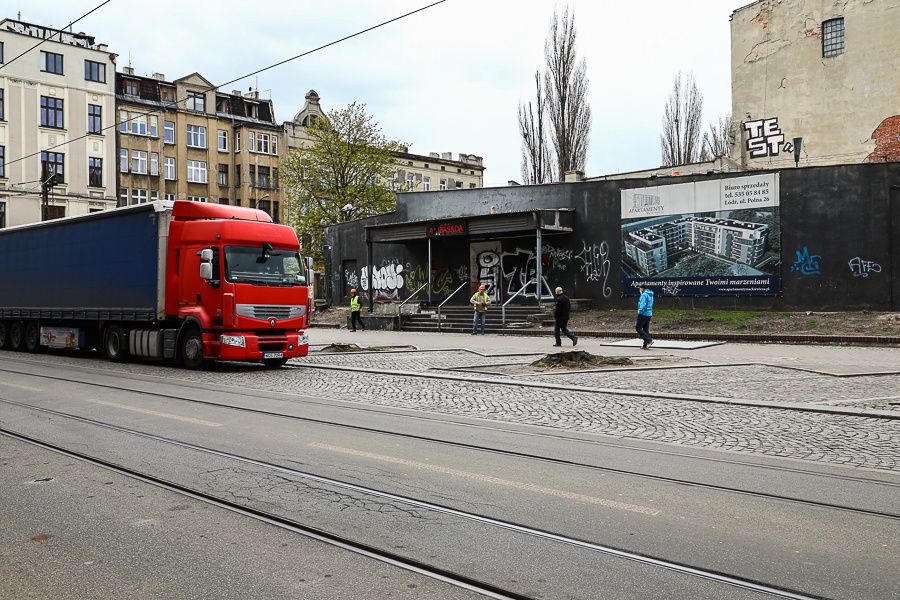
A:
(719, 237)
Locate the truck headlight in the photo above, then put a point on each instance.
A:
(233, 340)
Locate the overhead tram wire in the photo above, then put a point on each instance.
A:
(216, 87)
(58, 31)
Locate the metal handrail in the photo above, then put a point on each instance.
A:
(464, 284)
(400, 306)
(522, 289)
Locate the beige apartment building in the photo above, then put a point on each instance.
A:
(817, 77)
(415, 172)
(57, 140)
(184, 140)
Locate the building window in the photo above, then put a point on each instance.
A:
(170, 197)
(154, 164)
(139, 162)
(237, 175)
(153, 125)
(223, 140)
(237, 141)
(196, 171)
(95, 172)
(426, 184)
(2, 204)
(197, 198)
(1, 53)
(167, 94)
(833, 37)
(123, 196)
(123, 160)
(56, 212)
(169, 132)
(52, 164)
(51, 62)
(410, 182)
(471, 186)
(154, 195)
(251, 173)
(139, 124)
(138, 196)
(459, 185)
(223, 174)
(2, 161)
(195, 101)
(132, 88)
(95, 123)
(443, 184)
(51, 112)
(169, 168)
(196, 136)
(263, 175)
(94, 71)
(1, 103)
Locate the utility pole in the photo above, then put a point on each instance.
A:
(48, 180)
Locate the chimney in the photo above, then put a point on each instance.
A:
(159, 77)
(447, 155)
(235, 92)
(127, 70)
(574, 176)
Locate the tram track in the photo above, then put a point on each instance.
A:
(378, 553)
(517, 454)
(243, 400)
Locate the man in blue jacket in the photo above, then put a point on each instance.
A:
(645, 312)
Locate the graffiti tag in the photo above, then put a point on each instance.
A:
(806, 263)
(862, 268)
(764, 137)
(596, 264)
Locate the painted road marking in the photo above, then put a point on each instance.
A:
(156, 413)
(529, 487)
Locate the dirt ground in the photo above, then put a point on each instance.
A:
(712, 321)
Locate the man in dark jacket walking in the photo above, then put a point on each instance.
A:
(561, 318)
(645, 312)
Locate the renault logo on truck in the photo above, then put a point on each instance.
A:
(271, 322)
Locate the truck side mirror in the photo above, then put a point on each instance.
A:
(206, 256)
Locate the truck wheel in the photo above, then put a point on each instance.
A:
(115, 345)
(4, 335)
(16, 336)
(274, 363)
(191, 348)
(32, 341)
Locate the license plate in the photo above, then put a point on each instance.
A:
(273, 355)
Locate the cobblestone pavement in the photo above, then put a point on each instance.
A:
(425, 380)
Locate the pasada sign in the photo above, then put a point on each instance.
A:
(446, 228)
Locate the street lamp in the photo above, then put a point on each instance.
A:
(258, 200)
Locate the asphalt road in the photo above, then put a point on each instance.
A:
(430, 456)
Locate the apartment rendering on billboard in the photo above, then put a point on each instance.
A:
(703, 238)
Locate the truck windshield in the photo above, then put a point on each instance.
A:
(263, 265)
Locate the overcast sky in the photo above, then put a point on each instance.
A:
(446, 79)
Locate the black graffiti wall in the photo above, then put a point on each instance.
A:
(838, 230)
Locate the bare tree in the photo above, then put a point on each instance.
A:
(536, 164)
(566, 88)
(563, 116)
(717, 141)
(682, 123)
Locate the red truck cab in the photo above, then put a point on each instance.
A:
(237, 283)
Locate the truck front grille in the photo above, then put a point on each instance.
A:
(270, 311)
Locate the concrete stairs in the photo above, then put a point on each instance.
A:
(458, 319)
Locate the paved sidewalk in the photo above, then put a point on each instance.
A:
(826, 359)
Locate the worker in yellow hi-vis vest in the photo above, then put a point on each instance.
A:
(354, 312)
(480, 302)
